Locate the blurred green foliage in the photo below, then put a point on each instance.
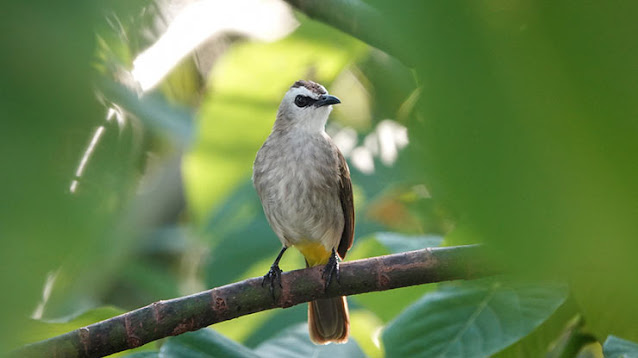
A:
(44, 127)
(522, 125)
(528, 130)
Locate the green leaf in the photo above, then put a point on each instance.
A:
(471, 319)
(615, 347)
(278, 321)
(559, 336)
(204, 343)
(396, 242)
(294, 342)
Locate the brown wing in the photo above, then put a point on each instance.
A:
(347, 204)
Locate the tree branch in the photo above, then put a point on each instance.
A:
(189, 313)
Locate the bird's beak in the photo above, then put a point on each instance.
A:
(326, 100)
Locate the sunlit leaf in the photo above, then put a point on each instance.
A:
(365, 328)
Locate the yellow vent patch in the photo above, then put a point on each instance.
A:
(314, 252)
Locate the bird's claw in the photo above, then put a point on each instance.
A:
(273, 275)
(331, 269)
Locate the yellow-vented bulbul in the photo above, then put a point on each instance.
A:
(304, 185)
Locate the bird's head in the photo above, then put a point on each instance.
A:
(306, 105)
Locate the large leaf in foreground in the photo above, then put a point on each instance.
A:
(471, 319)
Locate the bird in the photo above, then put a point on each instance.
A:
(303, 182)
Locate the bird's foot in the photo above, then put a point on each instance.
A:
(331, 269)
(274, 276)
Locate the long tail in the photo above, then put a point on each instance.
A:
(328, 320)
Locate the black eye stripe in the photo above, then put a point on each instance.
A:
(304, 101)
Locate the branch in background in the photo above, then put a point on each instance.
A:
(357, 19)
(189, 313)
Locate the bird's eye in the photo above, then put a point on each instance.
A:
(302, 101)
